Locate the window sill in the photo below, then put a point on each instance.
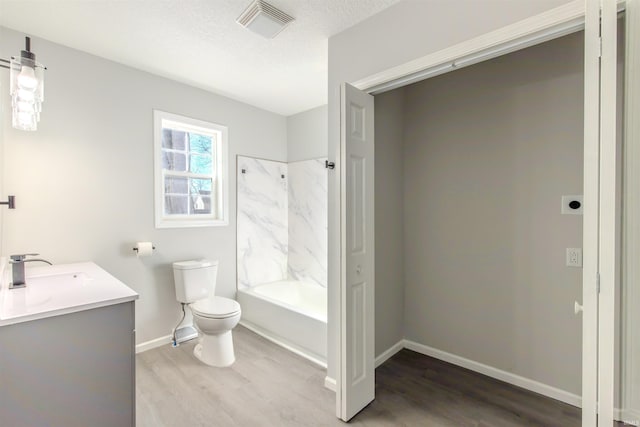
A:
(191, 223)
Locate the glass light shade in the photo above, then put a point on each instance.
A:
(24, 120)
(25, 95)
(27, 80)
(27, 92)
(25, 106)
(39, 73)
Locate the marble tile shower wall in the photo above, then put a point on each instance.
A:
(308, 221)
(262, 221)
(282, 221)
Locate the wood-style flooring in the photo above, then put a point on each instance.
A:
(270, 386)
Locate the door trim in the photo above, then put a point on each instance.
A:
(609, 201)
(630, 399)
(554, 23)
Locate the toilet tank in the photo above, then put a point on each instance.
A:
(194, 280)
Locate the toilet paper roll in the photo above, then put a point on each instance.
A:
(144, 249)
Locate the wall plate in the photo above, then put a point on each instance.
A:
(572, 205)
(574, 257)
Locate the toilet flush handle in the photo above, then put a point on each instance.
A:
(577, 308)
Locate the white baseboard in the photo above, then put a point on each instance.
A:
(155, 343)
(330, 383)
(388, 353)
(508, 377)
(628, 416)
(264, 334)
(617, 414)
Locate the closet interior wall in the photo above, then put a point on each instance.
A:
(470, 170)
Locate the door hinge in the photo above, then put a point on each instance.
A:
(598, 283)
(329, 165)
(599, 47)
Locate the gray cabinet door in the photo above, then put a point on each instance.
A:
(76, 369)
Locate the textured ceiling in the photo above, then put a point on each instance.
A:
(199, 43)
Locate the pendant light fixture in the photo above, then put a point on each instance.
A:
(26, 88)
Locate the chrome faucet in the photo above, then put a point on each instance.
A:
(17, 267)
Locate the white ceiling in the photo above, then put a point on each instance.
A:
(199, 43)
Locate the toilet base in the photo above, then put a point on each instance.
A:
(216, 350)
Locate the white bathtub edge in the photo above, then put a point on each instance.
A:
(252, 292)
(282, 343)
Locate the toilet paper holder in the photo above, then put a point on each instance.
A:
(136, 249)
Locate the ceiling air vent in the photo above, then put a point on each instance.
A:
(264, 19)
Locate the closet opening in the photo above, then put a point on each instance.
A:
(474, 252)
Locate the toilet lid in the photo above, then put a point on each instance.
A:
(216, 307)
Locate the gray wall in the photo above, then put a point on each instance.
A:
(307, 134)
(369, 47)
(84, 180)
(489, 151)
(389, 228)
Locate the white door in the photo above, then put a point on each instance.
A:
(599, 239)
(356, 386)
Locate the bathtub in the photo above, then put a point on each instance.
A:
(290, 313)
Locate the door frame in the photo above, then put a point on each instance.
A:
(630, 398)
(554, 23)
(609, 243)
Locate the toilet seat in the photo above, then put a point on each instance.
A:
(216, 308)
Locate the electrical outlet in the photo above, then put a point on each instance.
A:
(574, 257)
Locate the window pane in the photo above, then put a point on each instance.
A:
(200, 204)
(199, 143)
(176, 185)
(200, 186)
(200, 164)
(173, 139)
(175, 205)
(190, 167)
(174, 161)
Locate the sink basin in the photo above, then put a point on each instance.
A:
(64, 280)
(61, 289)
(42, 289)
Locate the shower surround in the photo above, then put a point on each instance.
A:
(282, 221)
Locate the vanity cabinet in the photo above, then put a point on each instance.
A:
(75, 369)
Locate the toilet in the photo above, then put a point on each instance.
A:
(214, 317)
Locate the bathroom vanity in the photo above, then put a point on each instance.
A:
(67, 348)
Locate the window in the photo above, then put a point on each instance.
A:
(190, 172)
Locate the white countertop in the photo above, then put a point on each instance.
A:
(59, 289)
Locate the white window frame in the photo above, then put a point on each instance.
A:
(162, 119)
